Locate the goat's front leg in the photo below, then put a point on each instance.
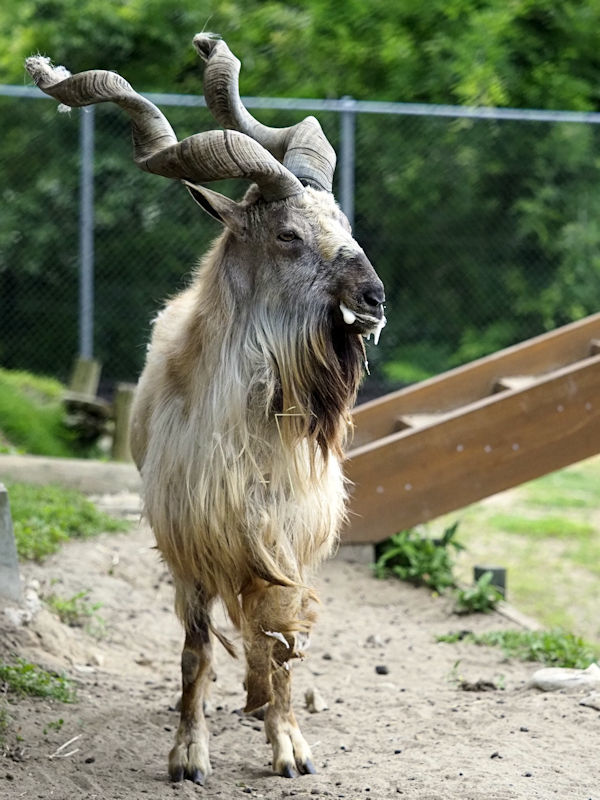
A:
(290, 749)
(189, 757)
(271, 616)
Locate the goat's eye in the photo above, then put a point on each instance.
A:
(287, 236)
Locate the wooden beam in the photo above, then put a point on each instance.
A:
(490, 445)
(85, 377)
(476, 380)
(122, 413)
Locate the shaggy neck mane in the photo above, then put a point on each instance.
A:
(281, 365)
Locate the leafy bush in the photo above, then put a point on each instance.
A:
(480, 598)
(552, 648)
(23, 678)
(46, 516)
(420, 560)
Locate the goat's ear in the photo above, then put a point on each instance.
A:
(221, 208)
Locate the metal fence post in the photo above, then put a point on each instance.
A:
(86, 233)
(347, 156)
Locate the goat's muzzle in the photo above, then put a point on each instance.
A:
(362, 309)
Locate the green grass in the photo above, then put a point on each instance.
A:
(31, 417)
(31, 414)
(546, 533)
(542, 527)
(551, 648)
(24, 678)
(46, 516)
(572, 488)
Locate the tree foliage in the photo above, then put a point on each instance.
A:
(526, 53)
(485, 232)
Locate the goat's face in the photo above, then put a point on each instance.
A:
(300, 253)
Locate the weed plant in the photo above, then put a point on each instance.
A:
(481, 598)
(78, 612)
(53, 725)
(420, 560)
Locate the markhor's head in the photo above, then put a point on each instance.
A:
(292, 238)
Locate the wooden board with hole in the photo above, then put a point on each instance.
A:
(475, 431)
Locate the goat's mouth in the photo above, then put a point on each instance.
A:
(364, 323)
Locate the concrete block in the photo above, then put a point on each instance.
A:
(10, 581)
(356, 553)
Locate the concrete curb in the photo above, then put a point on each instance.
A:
(89, 477)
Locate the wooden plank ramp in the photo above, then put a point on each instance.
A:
(484, 427)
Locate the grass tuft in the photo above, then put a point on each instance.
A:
(552, 648)
(78, 612)
(46, 516)
(24, 678)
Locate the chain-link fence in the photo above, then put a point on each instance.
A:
(483, 225)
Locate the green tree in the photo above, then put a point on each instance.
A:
(484, 232)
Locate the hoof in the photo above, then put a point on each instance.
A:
(287, 771)
(307, 768)
(196, 776)
(176, 775)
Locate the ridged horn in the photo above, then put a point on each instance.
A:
(302, 148)
(204, 157)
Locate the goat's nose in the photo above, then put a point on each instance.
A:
(374, 295)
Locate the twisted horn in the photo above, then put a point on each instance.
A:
(203, 157)
(302, 148)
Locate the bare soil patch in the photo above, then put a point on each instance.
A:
(408, 730)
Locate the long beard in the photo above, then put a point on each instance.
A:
(318, 368)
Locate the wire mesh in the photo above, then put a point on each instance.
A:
(485, 232)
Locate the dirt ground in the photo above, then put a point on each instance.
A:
(411, 732)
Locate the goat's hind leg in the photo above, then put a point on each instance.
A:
(189, 757)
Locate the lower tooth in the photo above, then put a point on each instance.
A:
(377, 332)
